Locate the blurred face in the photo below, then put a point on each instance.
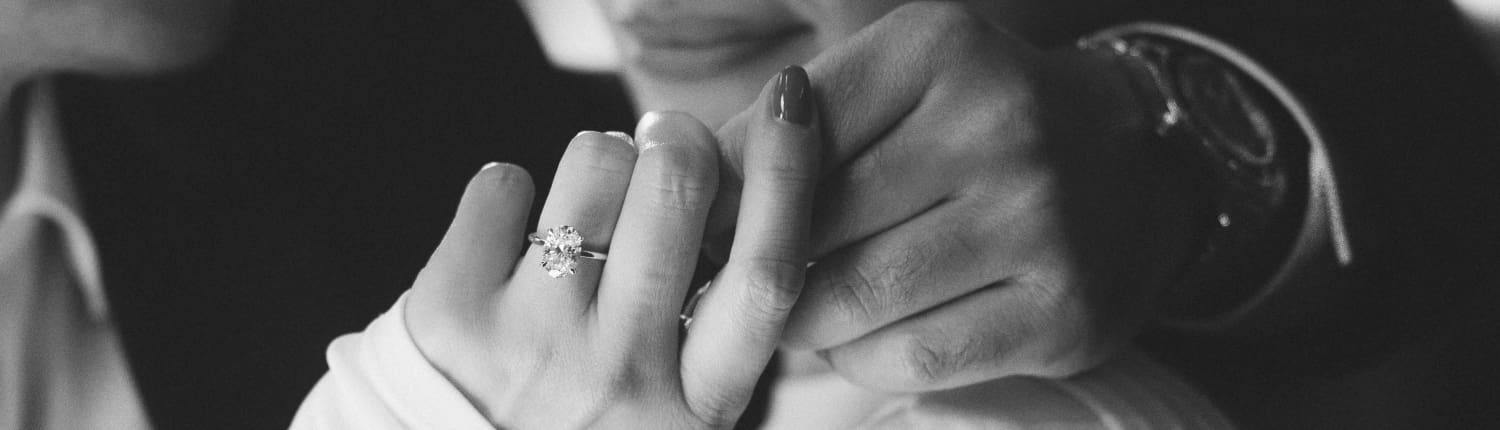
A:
(710, 57)
(111, 37)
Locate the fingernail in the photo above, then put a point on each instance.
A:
(488, 165)
(645, 132)
(793, 98)
(624, 137)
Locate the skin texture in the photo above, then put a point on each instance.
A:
(986, 207)
(603, 348)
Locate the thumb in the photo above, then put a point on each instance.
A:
(739, 324)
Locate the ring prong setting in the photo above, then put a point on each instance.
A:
(560, 251)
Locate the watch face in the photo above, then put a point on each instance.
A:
(1223, 108)
(1257, 155)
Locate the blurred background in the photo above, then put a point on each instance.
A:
(337, 133)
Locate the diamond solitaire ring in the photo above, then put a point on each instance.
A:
(561, 249)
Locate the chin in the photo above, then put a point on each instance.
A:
(138, 37)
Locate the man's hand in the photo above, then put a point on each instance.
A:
(987, 209)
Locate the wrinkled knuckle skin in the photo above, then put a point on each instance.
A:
(924, 361)
(874, 289)
(792, 176)
(680, 179)
(855, 296)
(773, 285)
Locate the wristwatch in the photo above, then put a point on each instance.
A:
(1257, 163)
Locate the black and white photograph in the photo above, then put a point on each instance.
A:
(749, 214)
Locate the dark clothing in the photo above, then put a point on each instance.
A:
(1403, 338)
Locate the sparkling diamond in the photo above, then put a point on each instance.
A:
(560, 251)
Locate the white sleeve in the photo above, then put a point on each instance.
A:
(378, 379)
(1129, 392)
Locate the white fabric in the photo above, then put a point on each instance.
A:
(378, 379)
(61, 362)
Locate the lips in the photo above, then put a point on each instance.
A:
(698, 46)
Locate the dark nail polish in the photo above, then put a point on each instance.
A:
(793, 96)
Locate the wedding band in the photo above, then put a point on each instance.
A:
(561, 249)
(686, 317)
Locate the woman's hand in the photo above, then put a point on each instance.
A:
(604, 347)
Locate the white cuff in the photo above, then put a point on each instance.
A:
(378, 379)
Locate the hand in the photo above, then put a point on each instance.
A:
(987, 209)
(602, 347)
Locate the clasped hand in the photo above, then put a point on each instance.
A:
(603, 347)
(984, 209)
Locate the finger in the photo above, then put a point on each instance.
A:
(657, 238)
(586, 194)
(869, 84)
(1026, 329)
(740, 322)
(871, 80)
(480, 248)
(946, 252)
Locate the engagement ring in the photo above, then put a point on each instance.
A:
(561, 249)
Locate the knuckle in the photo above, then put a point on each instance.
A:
(792, 174)
(782, 158)
(713, 409)
(954, 16)
(619, 382)
(925, 361)
(679, 178)
(872, 290)
(876, 165)
(854, 295)
(599, 152)
(773, 285)
(943, 22)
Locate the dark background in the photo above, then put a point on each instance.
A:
(288, 191)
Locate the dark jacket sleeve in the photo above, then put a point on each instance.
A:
(1411, 111)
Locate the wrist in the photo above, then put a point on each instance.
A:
(1158, 197)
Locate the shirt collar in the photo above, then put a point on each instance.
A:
(45, 190)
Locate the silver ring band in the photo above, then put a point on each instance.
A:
(688, 309)
(536, 239)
